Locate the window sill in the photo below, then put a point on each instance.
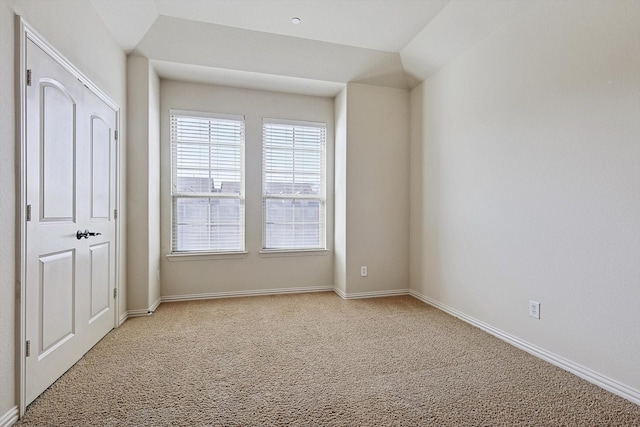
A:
(205, 256)
(293, 252)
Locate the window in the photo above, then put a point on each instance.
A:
(207, 182)
(293, 185)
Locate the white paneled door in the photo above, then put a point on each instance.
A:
(70, 232)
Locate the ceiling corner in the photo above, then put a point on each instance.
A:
(128, 21)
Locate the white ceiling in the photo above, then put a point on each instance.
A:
(252, 43)
(386, 25)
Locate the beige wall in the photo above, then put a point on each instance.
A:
(526, 184)
(143, 186)
(253, 272)
(376, 169)
(75, 29)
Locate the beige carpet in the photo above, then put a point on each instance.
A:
(316, 360)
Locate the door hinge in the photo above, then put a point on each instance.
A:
(28, 349)
(115, 293)
(115, 135)
(28, 77)
(28, 212)
(115, 214)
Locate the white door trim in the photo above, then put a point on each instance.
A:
(25, 32)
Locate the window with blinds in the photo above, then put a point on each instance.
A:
(293, 185)
(207, 182)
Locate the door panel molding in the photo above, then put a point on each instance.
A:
(100, 149)
(57, 295)
(56, 164)
(99, 255)
(24, 33)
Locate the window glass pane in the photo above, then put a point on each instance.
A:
(207, 161)
(293, 223)
(206, 223)
(293, 185)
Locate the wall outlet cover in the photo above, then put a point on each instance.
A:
(534, 309)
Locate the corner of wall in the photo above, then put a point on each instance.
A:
(377, 188)
(154, 187)
(416, 207)
(137, 201)
(8, 303)
(340, 192)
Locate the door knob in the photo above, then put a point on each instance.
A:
(86, 233)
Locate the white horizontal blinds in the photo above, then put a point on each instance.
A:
(207, 181)
(293, 184)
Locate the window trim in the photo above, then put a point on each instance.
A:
(294, 251)
(205, 256)
(276, 253)
(175, 255)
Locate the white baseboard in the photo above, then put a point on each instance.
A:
(155, 305)
(234, 294)
(141, 312)
(123, 318)
(10, 417)
(593, 377)
(340, 293)
(372, 294)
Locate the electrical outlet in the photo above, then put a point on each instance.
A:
(363, 271)
(534, 309)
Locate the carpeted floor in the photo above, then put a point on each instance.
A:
(316, 360)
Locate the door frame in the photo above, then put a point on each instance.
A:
(23, 33)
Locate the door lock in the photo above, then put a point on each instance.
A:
(86, 233)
